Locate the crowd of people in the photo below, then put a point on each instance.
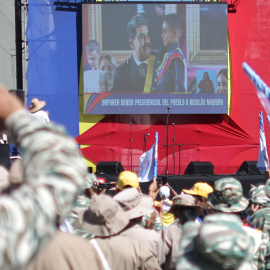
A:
(55, 216)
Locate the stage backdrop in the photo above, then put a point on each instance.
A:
(52, 73)
(226, 141)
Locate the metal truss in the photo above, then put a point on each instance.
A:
(66, 5)
(74, 6)
(232, 6)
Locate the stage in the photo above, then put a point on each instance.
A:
(179, 182)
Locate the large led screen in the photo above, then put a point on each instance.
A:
(142, 58)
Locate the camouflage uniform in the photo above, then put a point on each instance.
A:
(81, 204)
(261, 220)
(53, 174)
(228, 196)
(220, 242)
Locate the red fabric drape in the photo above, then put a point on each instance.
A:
(226, 141)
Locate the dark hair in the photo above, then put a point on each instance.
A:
(175, 22)
(188, 214)
(91, 46)
(223, 72)
(135, 21)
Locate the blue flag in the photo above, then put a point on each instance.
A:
(148, 163)
(263, 160)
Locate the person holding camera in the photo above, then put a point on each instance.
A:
(165, 204)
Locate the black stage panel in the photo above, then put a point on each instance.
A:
(179, 182)
(4, 155)
(109, 167)
(199, 167)
(249, 167)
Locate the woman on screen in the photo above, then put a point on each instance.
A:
(206, 85)
(222, 81)
(108, 64)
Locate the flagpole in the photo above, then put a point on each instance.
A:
(131, 139)
(156, 157)
(173, 148)
(167, 141)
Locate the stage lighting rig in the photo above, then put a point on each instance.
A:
(232, 5)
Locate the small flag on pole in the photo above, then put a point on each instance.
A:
(148, 163)
(263, 160)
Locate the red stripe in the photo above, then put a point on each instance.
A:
(164, 69)
(97, 100)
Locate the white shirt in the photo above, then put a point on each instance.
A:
(139, 62)
(41, 116)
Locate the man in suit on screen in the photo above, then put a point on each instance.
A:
(137, 70)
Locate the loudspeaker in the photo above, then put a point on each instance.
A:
(19, 93)
(249, 167)
(109, 167)
(197, 167)
(4, 155)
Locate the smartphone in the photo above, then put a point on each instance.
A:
(164, 181)
(105, 185)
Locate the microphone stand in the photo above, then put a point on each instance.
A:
(144, 145)
(173, 148)
(131, 139)
(167, 142)
(179, 145)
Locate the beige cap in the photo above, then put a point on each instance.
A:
(104, 217)
(135, 204)
(36, 105)
(185, 201)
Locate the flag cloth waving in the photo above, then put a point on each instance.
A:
(263, 91)
(263, 160)
(148, 163)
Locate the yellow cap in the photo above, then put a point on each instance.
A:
(199, 189)
(127, 178)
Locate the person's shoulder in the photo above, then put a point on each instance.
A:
(174, 226)
(143, 231)
(176, 52)
(179, 53)
(126, 63)
(124, 68)
(173, 231)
